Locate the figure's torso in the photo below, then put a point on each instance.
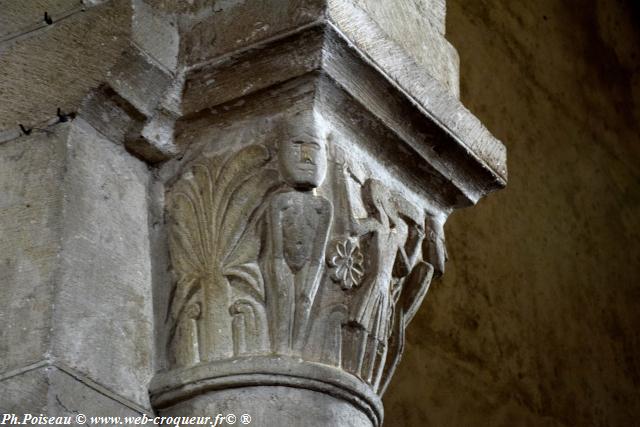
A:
(301, 216)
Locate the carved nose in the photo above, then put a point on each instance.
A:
(306, 157)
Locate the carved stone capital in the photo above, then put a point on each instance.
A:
(297, 254)
(304, 180)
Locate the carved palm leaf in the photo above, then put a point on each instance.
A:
(212, 209)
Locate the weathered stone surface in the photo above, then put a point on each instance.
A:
(16, 19)
(76, 269)
(103, 326)
(418, 27)
(284, 241)
(439, 103)
(56, 66)
(111, 115)
(156, 33)
(292, 241)
(25, 393)
(139, 80)
(31, 172)
(250, 71)
(70, 394)
(208, 30)
(58, 393)
(536, 321)
(295, 407)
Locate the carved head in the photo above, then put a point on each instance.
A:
(303, 158)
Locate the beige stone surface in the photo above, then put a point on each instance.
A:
(418, 27)
(54, 67)
(30, 237)
(16, 19)
(74, 262)
(536, 320)
(102, 322)
(58, 393)
(297, 407)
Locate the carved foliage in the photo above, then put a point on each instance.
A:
(213, 211)
(255, 273)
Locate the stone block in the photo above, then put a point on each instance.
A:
(54, 67)
(18, 17)
(55, 392)
(297, 407)
(102, 324)
(418, 27)
(75, 263)
(156, 33)
(31, 174)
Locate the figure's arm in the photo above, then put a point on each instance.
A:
(274, 224)
(279, 280)
(401, 267)
(413, 292)
(320, 244)
(316, 262)
(434, 249)
(313, 271)
(312, 274)
(277, 261)
(365, 226)
(414, 289)
(279, 284)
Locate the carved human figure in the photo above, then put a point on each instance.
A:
(298, 222)
(387, 236)
(392, 249)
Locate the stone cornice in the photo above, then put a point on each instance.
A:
(357, 56)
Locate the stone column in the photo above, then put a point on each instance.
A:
(303, 157)
(315, 150)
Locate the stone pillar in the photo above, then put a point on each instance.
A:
(303, 156)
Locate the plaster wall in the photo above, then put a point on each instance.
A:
(535, 322)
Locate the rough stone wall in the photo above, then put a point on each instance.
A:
(45, 67)
(536, 320)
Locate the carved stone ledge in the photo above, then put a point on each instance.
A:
(172, 388)
(345, 45)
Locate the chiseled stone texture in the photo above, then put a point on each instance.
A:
(104, 329)
(55, 66)
(536, 321)
(15, 17)
(31, 170)
(418, 27)
(56, 393)
(75, 269)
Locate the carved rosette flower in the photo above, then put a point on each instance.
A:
(347, 263)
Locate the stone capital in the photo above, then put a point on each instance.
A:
(306, 163)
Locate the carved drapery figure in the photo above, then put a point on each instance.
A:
(390, 238)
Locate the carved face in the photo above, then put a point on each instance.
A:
(303, 161)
